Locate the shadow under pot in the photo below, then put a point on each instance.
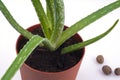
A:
(43, 64)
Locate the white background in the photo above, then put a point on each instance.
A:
(109, 46)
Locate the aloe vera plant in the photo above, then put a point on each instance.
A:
(52, 25)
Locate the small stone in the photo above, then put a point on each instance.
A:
(100, 59)
(117, 71)
(106, 69)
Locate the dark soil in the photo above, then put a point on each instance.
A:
(45, 60)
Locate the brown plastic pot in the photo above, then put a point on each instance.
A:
(28, 73)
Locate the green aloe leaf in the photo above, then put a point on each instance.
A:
(22, 56)
(85, 43)
(13, 22)
(87, 20)
(46, 26)
(55, 12)
(51, 14)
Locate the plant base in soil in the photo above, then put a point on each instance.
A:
(45, 60)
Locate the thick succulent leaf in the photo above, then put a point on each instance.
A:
(51, 12)
(85, 43)
(13, 22)
(55, 11)
(87, 20)
(22, 56)
(46, 26)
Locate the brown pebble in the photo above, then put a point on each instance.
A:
(100, 59)
(106, 69)
(117, 71)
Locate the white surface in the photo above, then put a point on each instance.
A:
(24, 13)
